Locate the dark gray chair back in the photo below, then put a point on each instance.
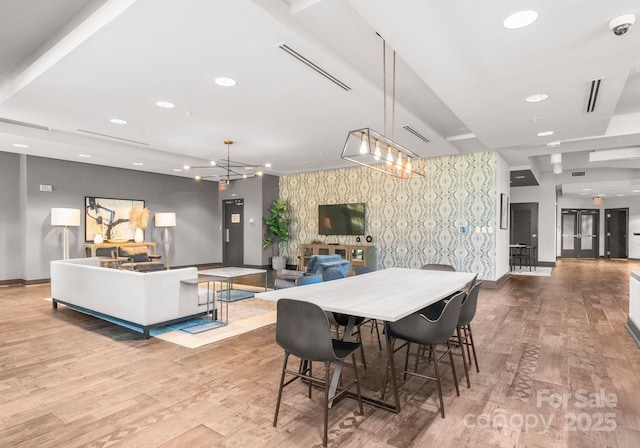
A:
(419, 329)
(438, 267)
(302, 329)
(331, 274)
(468, 309)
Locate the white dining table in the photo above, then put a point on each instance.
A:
(386, 294)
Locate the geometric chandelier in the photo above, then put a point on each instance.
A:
(369, 148)
(232, 169)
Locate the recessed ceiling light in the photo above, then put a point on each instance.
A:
(88, 156)
(138, 163)
(536, 98)
(165, 104)
(519, 177)
(20, 145)
(520, 19)
(267, 165)
(544, 133)
(553, 144)
(586, 189)
(177, 169)
(619, 195)
(118, 121)
(225, 82)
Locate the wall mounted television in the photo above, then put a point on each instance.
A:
(341, 219)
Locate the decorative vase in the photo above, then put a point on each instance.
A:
(98, 239)
(138, 236)
(278, 262)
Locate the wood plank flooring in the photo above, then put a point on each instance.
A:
(545, 346)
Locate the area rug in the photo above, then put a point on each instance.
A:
(540, 271)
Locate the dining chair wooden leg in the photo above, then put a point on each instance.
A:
(473, 348)
(466, 343)
(406, 360)
(327, 380)
(453, 368)
(284, 367)
(355, 373)
(464, 358)
(435, 364)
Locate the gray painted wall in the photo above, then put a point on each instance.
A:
(195, 204)
(10, 232)
(258, 194)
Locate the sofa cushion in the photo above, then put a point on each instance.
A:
(139, 254)
(316, 260)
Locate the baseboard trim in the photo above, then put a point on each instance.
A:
(23, 282)
(633, 330)
(547, 264)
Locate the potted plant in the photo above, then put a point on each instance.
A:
(277, 230)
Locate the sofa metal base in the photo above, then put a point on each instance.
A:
(125, 323)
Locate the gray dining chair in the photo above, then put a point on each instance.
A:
(302, 330)
(359, 270)
(420, 329)
(438, 267)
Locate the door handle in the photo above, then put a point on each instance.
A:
(226, 235)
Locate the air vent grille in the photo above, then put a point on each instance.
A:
(416, 133)
(112, 137)
(593, 95)
(308, 63)
(25, 124)
(578, 173)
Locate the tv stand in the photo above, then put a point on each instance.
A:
(357, 254)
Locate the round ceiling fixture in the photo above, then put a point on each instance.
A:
(520, 19)
(544, 133)
(536, 98)
(165, 104)
(225, 82)
(118, 121)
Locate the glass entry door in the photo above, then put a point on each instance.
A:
(579, 233)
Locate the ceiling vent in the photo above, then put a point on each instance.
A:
(25, 124)
(416, 133)
(593, 95)
(308, 63)
(578, 173)
(112, 137)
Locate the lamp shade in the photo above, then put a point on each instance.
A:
(65, 217)
(165, 219)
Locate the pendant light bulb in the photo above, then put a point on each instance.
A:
(408, 167)
(389, 156)
(377, 155)
(363, 144)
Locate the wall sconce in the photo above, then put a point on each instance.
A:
(65, 217)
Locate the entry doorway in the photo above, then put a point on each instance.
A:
(524, 225)
(233, 233)
(616, 228)
(579, 233)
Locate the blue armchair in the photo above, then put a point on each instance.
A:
(286, 278)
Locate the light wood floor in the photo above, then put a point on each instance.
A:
(70, 380)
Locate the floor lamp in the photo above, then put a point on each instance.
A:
(65, 217)
(165, 220)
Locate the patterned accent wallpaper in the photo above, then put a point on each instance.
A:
(412, 222)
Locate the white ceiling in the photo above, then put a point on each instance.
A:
(70, 66)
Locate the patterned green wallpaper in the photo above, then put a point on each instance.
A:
(412, 222)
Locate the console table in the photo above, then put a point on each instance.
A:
(358, 255)
(91, 248)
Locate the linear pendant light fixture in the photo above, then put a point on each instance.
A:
(231, 167)
(369, 148)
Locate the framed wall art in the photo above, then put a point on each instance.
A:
(110, 218)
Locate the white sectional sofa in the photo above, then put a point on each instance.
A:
(144, 300)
